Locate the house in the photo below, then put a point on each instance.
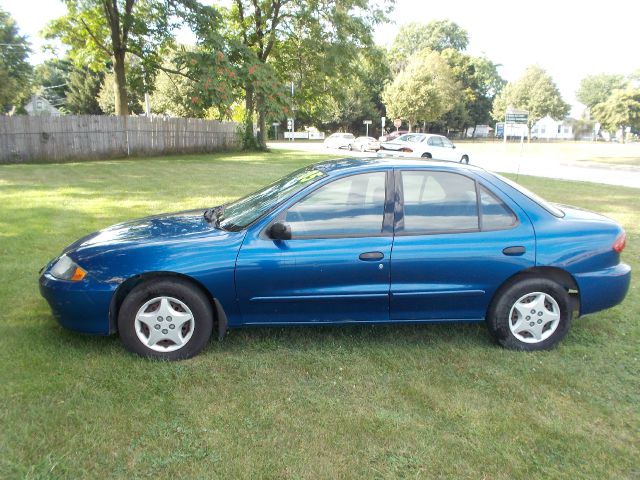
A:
(549, 129)
(40, 106)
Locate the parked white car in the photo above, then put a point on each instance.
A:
(365, 144)
(426, 145)
(339, 140)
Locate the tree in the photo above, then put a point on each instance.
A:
(535, 92)
(105, 32)
(424, 91)
(15, 70)
(135, 87)
(275, 34)
(620, 110)
(596, 89)
(480, 82)
(51, 81)
(437, 35)
(84, 89)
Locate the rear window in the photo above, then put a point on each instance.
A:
(549, 207)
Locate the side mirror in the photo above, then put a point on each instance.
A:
(453, 146)
(279, 231)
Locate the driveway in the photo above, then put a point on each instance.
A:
(494, 157)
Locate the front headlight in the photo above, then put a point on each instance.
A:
(66, 269)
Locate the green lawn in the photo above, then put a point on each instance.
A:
(327, 403)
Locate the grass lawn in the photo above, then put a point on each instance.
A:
(327, 403)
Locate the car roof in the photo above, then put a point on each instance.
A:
(361, 164)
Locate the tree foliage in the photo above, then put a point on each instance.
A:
(596, 89)
(84, 89)
(51, 80)
(535, 92)
(15, 70)
(479, 83)
(103, 33)
(424, 91)
(307, 43)
(437, 35)
(620, 110)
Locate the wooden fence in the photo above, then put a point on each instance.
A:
(27, 139)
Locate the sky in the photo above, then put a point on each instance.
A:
(569, 38)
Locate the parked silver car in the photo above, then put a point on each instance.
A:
(365, 144)
(426, 145)
(339, 140)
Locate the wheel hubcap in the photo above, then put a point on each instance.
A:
(164, 324)
(534, 317)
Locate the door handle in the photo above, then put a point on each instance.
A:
(513, 251)
(371, 256)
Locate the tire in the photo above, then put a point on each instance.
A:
(530, 314)
(426, 155)
(465, 159)
(350, 147)
(165, 318)
(362, 148)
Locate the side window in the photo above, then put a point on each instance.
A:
(495, 214)
(447, 143)
(439, 202)
(435, 141)
(348, 206)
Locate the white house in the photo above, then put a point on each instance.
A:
(41, 106)
(549, 129)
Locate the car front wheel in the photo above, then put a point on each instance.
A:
(165, 318)
(465, 159)
(531, 314)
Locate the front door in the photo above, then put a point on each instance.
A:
(455, 242)
(335, 268)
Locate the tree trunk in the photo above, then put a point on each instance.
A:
(262, 122)
(248, 142)
(120, 84)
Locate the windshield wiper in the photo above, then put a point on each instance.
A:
(214, 213)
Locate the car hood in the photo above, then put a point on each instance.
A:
(161, 227)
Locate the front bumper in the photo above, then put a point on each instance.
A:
(603, 289)
(80, 306)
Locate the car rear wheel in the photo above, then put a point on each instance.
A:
(350, 147)
(465, 159)
(362, 148)
(165, 318)
(531, 314)
(426, 155)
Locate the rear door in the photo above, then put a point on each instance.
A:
(455, 243)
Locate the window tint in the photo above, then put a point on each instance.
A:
(495, 214)
(439, 202)
(349, 206)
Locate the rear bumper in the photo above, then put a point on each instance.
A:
(603, 289)
(79, 306)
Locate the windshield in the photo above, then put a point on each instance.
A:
(242, 213)
(549, 207)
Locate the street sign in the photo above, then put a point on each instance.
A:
(397, 123)
(516, 116)
(367, 123)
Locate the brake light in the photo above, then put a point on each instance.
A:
(621, 242)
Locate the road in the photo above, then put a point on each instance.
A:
(497, 159)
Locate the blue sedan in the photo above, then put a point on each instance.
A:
(342, 242)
